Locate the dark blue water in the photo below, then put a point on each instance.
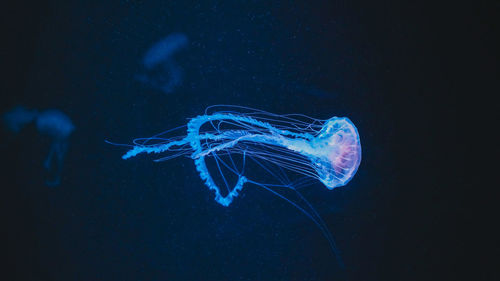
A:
(389, 68)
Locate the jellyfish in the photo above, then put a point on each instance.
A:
(289, 151)
(51, 123)
(162, 72)
(58, 127)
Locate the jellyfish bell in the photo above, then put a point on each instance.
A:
(54, 124)
(337, 152)
(161, 71)
(164, 49)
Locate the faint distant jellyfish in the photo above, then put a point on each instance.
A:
(58, 127)
(164, 49)
(286, 152)
(18, 117)
(51, 123)
(162, 72)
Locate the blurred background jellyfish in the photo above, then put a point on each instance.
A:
(58, 127)
(51, 123)
(161, 70)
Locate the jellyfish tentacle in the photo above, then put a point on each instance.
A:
(153, 148)
(195, 137)
(48, 159)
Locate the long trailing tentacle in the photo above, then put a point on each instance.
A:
(229, 139)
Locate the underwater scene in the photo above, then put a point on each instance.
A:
(219, 140)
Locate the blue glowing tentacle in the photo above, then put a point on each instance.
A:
(324, 228)
(314, 217)
(200, 120)
(194, 137)
(153, 148)
(205, 176)
(216, 157)
(265, 168)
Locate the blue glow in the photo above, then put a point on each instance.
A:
(51, 123)
(161, 70)
(328, 151)
(18, 117)
(164, 49)
(56, 125)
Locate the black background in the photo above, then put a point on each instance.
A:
(412, 77)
